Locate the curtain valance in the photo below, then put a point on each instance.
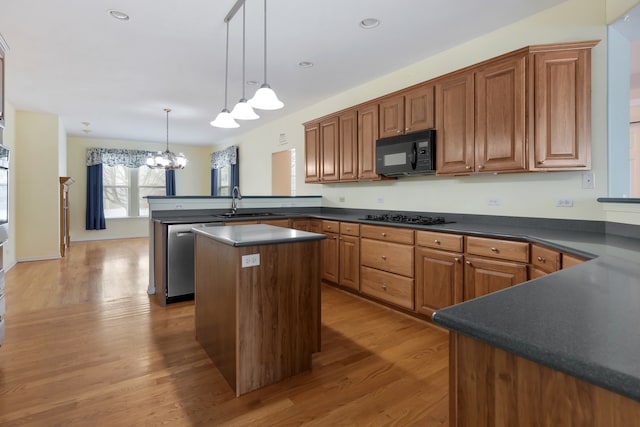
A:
(117, 156)
(226, 157)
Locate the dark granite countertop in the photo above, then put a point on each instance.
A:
(256, 234)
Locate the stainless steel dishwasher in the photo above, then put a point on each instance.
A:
(180, 261)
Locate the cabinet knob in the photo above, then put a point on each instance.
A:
(467, 167)
(480, 166)
(384, 257)
(541, 259)
(540, 162)
(457, 259)
(494, 249)
(468, 262)
(328, 227)
(406, 129)
(437, 242)
(384, 287)
(384, 234)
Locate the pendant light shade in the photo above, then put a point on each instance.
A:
(224, 118)
(242, 110)
(265, 98)
(166, 159)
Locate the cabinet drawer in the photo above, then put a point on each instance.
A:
(389, 234)
(388, 287)
(500, 249)
(569, 260)
(545, 259)
(444, 241)
(330, 226)
(391, 257)
(350, 228)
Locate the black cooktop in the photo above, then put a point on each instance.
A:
(407, 219)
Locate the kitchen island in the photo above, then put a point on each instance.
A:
(257, 301)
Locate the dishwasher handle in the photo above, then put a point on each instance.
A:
(184, 233)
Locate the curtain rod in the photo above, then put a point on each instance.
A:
(233, 10)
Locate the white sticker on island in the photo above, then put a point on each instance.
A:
(250, 260)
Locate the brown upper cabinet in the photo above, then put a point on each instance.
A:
(409, 111)
(561, 105)
(525, 111)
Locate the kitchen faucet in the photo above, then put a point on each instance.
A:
(235, 196)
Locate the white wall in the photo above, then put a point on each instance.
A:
(520, 194)
(193, 180)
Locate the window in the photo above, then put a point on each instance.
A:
(125, 189)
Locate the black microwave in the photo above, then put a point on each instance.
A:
(408, 154)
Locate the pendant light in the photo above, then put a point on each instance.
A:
(265, 98)
(224, 119)
(242, 110)
(167, 160)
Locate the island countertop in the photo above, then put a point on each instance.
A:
(256, 234)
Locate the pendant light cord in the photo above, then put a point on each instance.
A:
(167, 111)
(265, 41)
(244, 7)
(226, 69)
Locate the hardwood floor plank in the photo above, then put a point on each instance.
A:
(85, 346)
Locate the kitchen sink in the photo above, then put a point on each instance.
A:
(244, 214)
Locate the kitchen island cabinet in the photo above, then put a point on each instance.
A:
(257, 301)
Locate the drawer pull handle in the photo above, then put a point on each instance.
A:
(494, 249)
(384, 257)
(541, 259)
(384, 287)
(437, 242)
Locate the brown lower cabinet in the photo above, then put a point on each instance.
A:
(483, 276)
(439, 279)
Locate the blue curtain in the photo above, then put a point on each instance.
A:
(95, 205)
(170, 182)
(214, 182)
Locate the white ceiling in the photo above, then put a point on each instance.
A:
(70, 58)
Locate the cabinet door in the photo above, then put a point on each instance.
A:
(312, 153)
(455, 125)
(348, 158)
(500, 116)
(367, 137)
(350, 262)
(439, 278)
(329, 149)
(419, 109)
(392, 116)
(329, 256)
(562, 113)
(483, 276)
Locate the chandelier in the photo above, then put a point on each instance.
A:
(166, 159)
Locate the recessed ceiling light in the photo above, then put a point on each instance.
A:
(118, 14)
(305, 64)
(369, 23)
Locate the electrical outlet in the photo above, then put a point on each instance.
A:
(588, 181)
(494, 201)
(380, 200)
(564, 203)
(341, 199)
(250, 260)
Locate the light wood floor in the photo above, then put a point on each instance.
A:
(86, 346)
